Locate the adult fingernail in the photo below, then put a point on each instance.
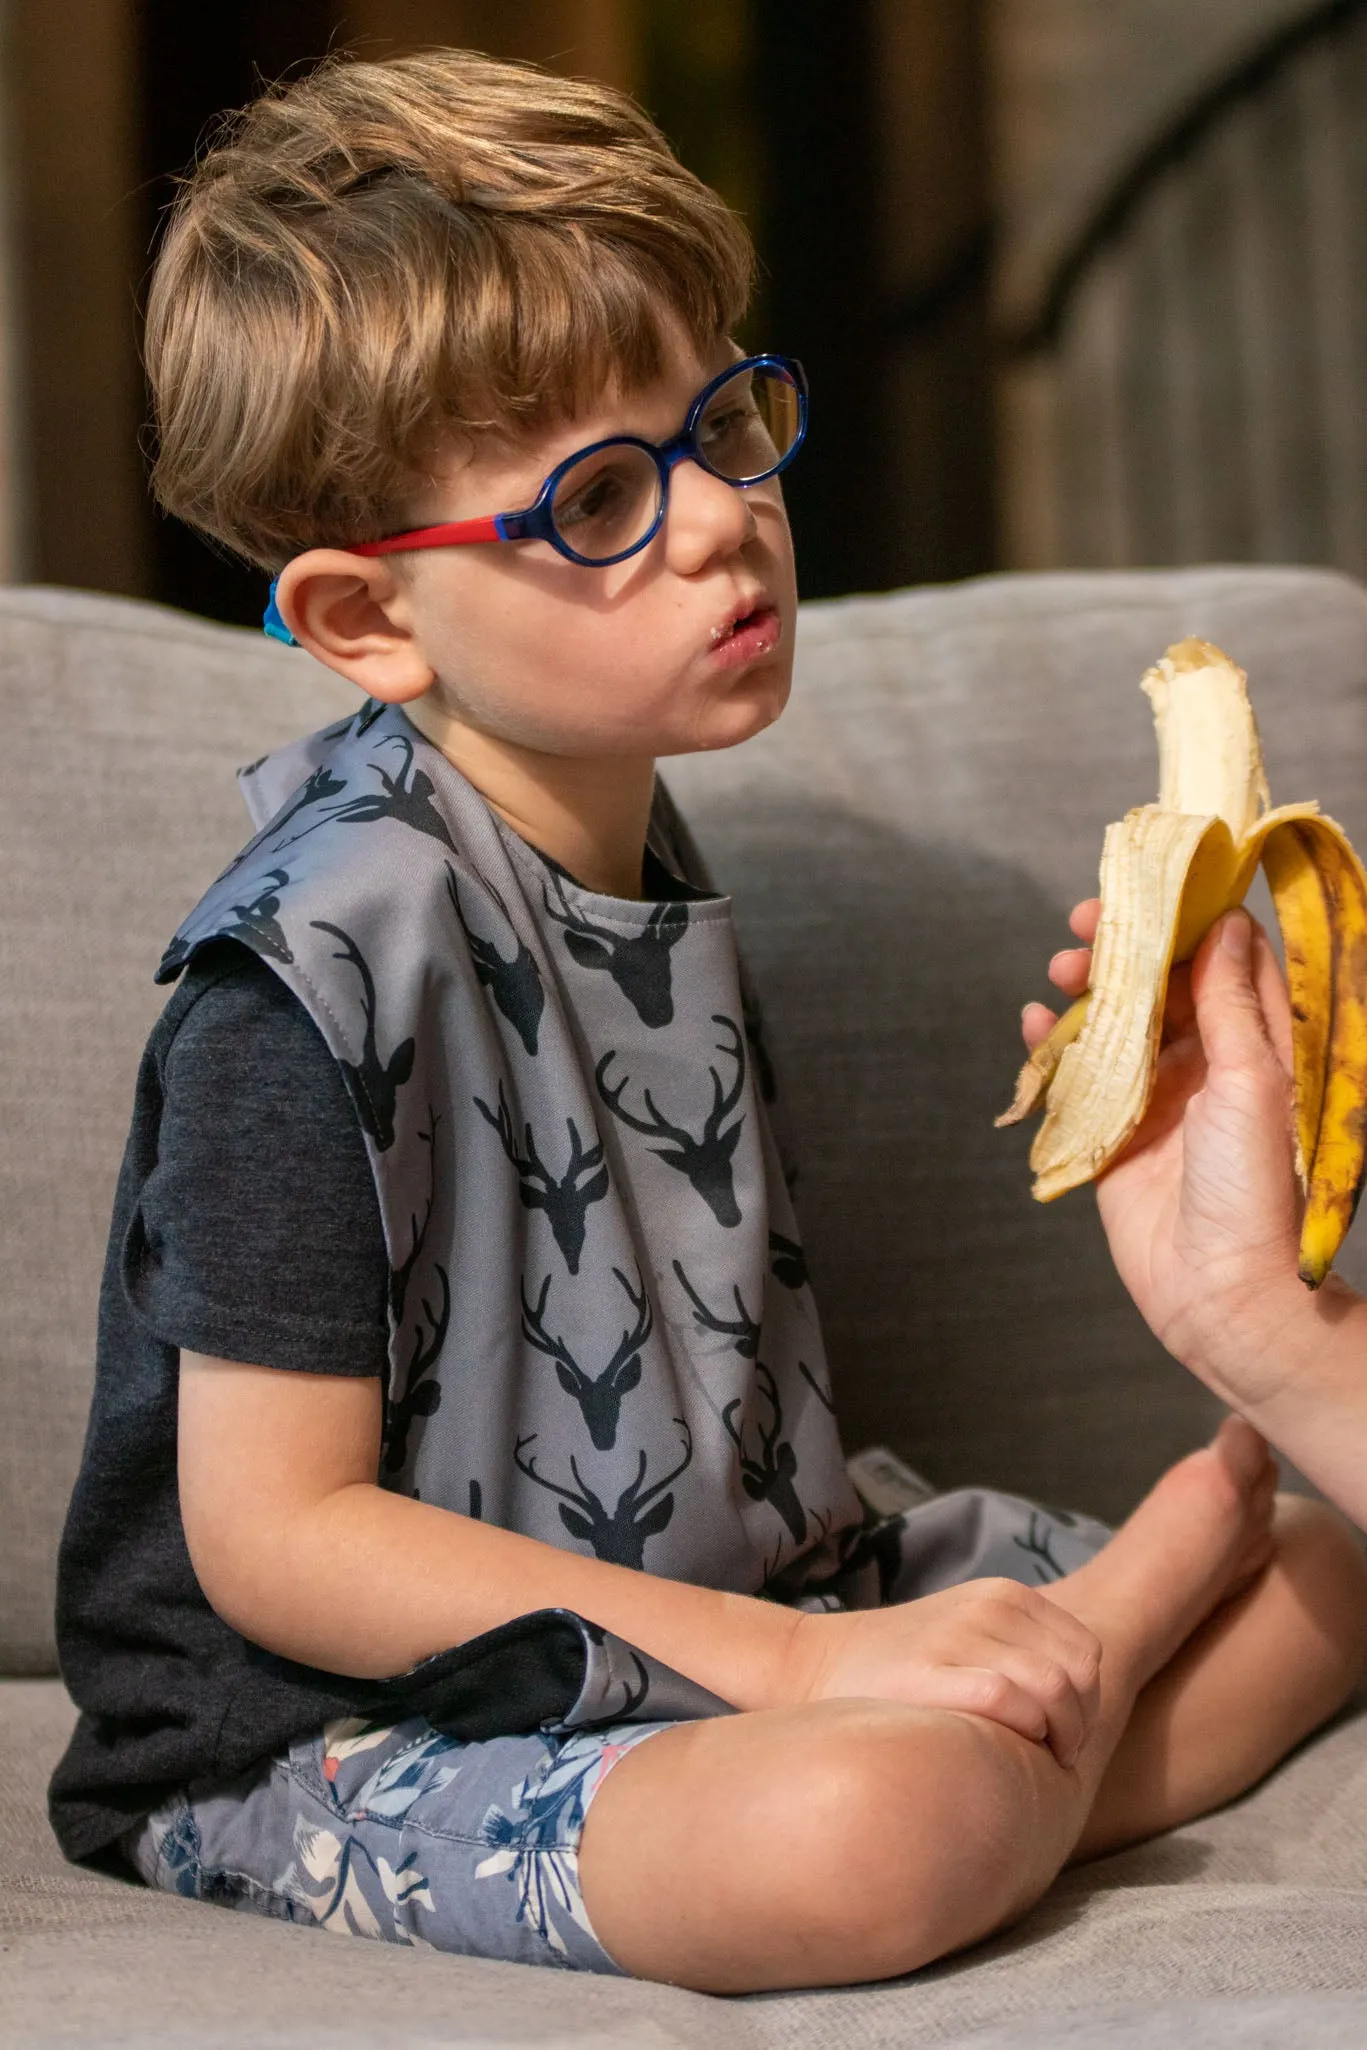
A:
(1237, 936)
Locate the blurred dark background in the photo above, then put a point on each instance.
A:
(1073, 285)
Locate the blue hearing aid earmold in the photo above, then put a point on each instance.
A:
(273, 624)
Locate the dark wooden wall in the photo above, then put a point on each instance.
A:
(850, 135)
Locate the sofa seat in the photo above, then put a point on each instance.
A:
(1248, 1927)
(902, 847)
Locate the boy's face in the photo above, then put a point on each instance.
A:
(642, 658)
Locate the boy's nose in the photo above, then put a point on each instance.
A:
(705, 517)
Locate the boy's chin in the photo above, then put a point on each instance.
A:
(746, 711)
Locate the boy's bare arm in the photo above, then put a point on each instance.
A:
(296, 1546)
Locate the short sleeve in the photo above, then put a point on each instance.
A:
(257, 1235)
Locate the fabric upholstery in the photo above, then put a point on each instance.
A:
(1222, 1927)
(123, 724)
(903, 847)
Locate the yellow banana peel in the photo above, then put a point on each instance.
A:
(1168, 871)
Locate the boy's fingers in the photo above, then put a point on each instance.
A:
(1082, 919)
(987, 1692)
(1037, 1022)
(1019, 1681)
(1033, 1634)
(1070, 969)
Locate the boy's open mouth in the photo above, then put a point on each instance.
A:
(747, 635)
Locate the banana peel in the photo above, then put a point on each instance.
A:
(1168, 872)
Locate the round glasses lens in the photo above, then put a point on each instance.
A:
(607, 501)
(749, 425)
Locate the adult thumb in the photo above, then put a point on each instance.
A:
(1229, 1012)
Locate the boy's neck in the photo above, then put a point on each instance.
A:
(590, 815)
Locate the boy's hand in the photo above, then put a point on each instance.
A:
(991, 1648)
(1202, 1211)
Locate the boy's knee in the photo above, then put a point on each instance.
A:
(920, 1825)
(855, 1840)
(1323, 1560)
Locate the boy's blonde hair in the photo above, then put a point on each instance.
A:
(385, 256)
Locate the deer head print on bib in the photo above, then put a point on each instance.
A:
(601, 1330)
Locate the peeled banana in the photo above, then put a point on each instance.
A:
(1168, 871)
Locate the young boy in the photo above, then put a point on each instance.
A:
(463, 1552)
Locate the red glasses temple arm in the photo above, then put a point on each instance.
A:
(451, 534)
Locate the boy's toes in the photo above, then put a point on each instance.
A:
(1243, 1453)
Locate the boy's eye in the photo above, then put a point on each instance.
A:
(593, 501)
(730, 422)
(606, 502)
(735, 438)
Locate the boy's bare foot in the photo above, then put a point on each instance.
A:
(1199, 1537)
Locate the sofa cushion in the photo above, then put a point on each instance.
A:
(902, 847)
(1254, 1906)
(123, 724)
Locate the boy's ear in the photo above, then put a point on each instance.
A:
(353, 613)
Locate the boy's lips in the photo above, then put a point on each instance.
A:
(751, 630)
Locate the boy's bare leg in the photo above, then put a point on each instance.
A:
(849, 1840)
(1263, 1672)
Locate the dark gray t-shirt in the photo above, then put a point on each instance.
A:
(260, 1220)
(239, 1111)
(246, 1226)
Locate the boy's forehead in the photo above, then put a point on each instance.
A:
(653, 408)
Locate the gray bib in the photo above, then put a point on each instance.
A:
(600, 1329)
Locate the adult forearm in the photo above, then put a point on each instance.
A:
(1296, 1367)
(368, 1582)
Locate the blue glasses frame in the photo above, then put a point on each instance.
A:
(536, 521)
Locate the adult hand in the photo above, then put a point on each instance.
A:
(1202, 1211)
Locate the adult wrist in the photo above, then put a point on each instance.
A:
(1250, 1347)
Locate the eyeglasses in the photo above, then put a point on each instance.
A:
(608, 501)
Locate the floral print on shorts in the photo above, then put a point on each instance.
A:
(402, 1834)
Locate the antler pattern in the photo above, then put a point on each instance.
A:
(399, 1277)
(599, 1396)
(422, 1391)
(618, 1534)
(405, 797)
(787, 1261)
(1038, 1544)
(769, 1478)
(374, 1084)
(321, 785)
(564, 1198)
(516, 985)
(257, 924)
(638, 962)
(706, 1159)
(742, 1329)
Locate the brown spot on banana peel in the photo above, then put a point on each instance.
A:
(1168, 872)
(1320, 892)
(1305, 915)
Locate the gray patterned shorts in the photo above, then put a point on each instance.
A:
(406, 1835)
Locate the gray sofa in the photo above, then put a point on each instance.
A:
(902, 848)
